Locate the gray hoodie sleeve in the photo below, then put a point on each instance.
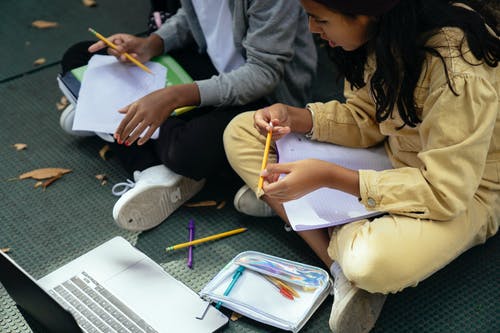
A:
(270, 29)
(175, 32)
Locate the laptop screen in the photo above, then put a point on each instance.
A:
(33, 299)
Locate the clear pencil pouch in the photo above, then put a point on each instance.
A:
(258, 292)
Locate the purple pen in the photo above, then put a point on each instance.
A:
(191, 237)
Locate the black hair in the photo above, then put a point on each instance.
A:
(400, 48)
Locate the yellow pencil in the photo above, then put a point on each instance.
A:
(266, 154)
(206, 239)
(113, 46)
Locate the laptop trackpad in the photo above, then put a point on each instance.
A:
(164, 302)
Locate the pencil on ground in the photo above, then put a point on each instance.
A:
(206, 239)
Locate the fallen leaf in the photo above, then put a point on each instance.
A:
(206, 203)
(89, 3)
(62, 104)
(235, 316)
(44, 173)
(39, 61)
(50, 181)
(38, 184)
(5, 249)
(103, 178)
(41, 24)
(221, 205)
(20, 146)
(103, 151)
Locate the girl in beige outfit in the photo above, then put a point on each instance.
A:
(423, 79)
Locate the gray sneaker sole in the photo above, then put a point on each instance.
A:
(357, 312)
(152, 206)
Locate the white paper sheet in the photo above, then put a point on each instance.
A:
(108, 86)
(327, 207)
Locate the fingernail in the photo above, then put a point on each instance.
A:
(119, 141)
(127, 143)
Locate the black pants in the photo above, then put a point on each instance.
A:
(190, 144)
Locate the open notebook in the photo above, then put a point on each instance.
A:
(112, 288)
(328, 207)
(105, 85)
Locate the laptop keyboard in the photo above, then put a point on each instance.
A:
(95, 308)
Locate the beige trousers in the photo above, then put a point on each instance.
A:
(386, 254)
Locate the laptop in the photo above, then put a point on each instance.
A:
(112, 288)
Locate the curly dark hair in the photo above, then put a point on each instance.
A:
(400, 48)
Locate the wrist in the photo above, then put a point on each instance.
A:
(301, 120)
(154, 44)
(184, 94)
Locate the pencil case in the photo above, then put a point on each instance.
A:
(254, 295)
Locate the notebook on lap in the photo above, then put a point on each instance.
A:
(112, 288)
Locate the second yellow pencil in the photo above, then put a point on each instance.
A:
(205, 239)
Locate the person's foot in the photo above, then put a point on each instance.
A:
(354, 310)
(156, 193)
(66, 121)
(246, 202)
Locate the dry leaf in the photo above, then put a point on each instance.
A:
(20, 146)
(89, 3)
(49, 181)
(41, 24)
(5, 249)
(235, 316)
(103, 151)
(221, 205)
(44, 173)
(206, 203)
(62, 104)
(39, 61)
(103, 178)
(38, 184)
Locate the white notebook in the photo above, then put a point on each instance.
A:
(109, 85)
(327, 207)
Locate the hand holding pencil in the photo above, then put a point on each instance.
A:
(128, 48)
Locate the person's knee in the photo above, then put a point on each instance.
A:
(374, 267)
(234, 133)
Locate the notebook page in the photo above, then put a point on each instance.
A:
(327, 207)
(108, 86)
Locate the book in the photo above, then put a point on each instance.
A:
(328, 207)
(104, 85)
(70, 82)
(251, 285)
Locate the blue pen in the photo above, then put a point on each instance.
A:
(236, 276)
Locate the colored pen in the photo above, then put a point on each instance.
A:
(282, 285)
(266, 154)
(236, 276)
(283, 291)
(191, 238)
(113, 46)
(205, 239)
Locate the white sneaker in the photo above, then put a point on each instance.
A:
(354, 310)
(246, 202)
(66, 121)
(156, 193)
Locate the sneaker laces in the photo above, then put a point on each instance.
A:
(120, 189)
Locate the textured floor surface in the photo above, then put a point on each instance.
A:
(46, 229)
